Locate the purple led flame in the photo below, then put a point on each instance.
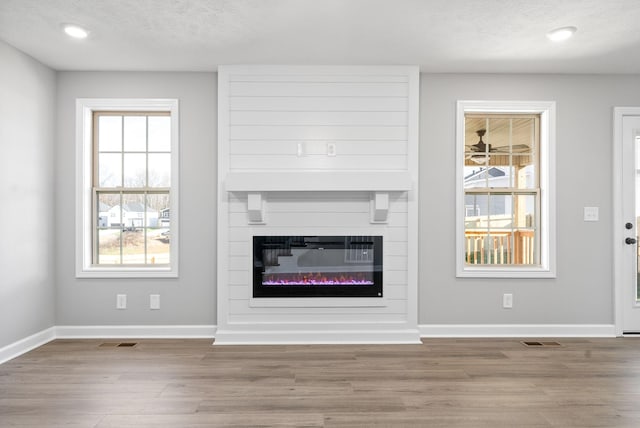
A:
(317, 279)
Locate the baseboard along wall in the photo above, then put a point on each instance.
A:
(36, 340)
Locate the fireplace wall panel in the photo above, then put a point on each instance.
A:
(325, 117)
(241, 306)
(347, 147)
(320, 162)
(289, 215)
(288, 321)
(302, 220)
(339, 103)
(312, 132)
(320, 85)
(290, 122)
(395, 291)
(283, 119)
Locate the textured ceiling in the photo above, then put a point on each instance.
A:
(438, 35)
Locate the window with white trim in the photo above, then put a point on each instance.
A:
(505, 189)
(127, 188)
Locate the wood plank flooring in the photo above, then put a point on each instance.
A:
(441, 383)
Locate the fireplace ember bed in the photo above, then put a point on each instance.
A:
(317, 266)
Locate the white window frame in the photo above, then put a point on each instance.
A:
(84, 174)
(547, 171)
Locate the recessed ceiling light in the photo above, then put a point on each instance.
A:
(561, 34)
(75, 31)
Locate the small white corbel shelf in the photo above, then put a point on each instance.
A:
(255, 208)
(379, 183)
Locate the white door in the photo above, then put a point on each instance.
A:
(628, 222)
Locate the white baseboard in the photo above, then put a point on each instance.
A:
(136, 332)
(315, 337)
(25, 345)
(517, 330)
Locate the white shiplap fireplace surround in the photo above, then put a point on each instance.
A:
(326, 150)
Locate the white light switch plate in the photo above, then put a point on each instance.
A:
(507, 301)
(591, 214)
(154, 301)
(121, 301)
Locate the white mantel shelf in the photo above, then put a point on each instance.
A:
(319, 181)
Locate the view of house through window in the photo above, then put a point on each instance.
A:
(131, 187)
(501, 189)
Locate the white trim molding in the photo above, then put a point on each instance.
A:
(84, 153)
(304, 336)
(27, 344)
(516, 330)
(313, 336)
(136, 331)
(36, 340)
(547, 266)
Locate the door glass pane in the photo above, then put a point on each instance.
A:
(637, 147)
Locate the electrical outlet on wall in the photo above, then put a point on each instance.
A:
(121, 301)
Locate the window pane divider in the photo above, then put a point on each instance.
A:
(501, 190)
(132, 189)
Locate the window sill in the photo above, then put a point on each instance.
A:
(506, 272)
(134, 272)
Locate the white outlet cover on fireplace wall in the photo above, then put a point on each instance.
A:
(369, 116)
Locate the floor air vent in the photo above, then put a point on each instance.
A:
(117, 345)
(536, 344)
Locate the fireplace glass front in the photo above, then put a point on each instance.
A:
(317, 266)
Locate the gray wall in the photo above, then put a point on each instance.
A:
(27, 205)
(582, 291)
(190, 299)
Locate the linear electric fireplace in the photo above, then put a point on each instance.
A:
(317, 266)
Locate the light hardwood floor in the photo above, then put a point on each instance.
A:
(441, 383)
